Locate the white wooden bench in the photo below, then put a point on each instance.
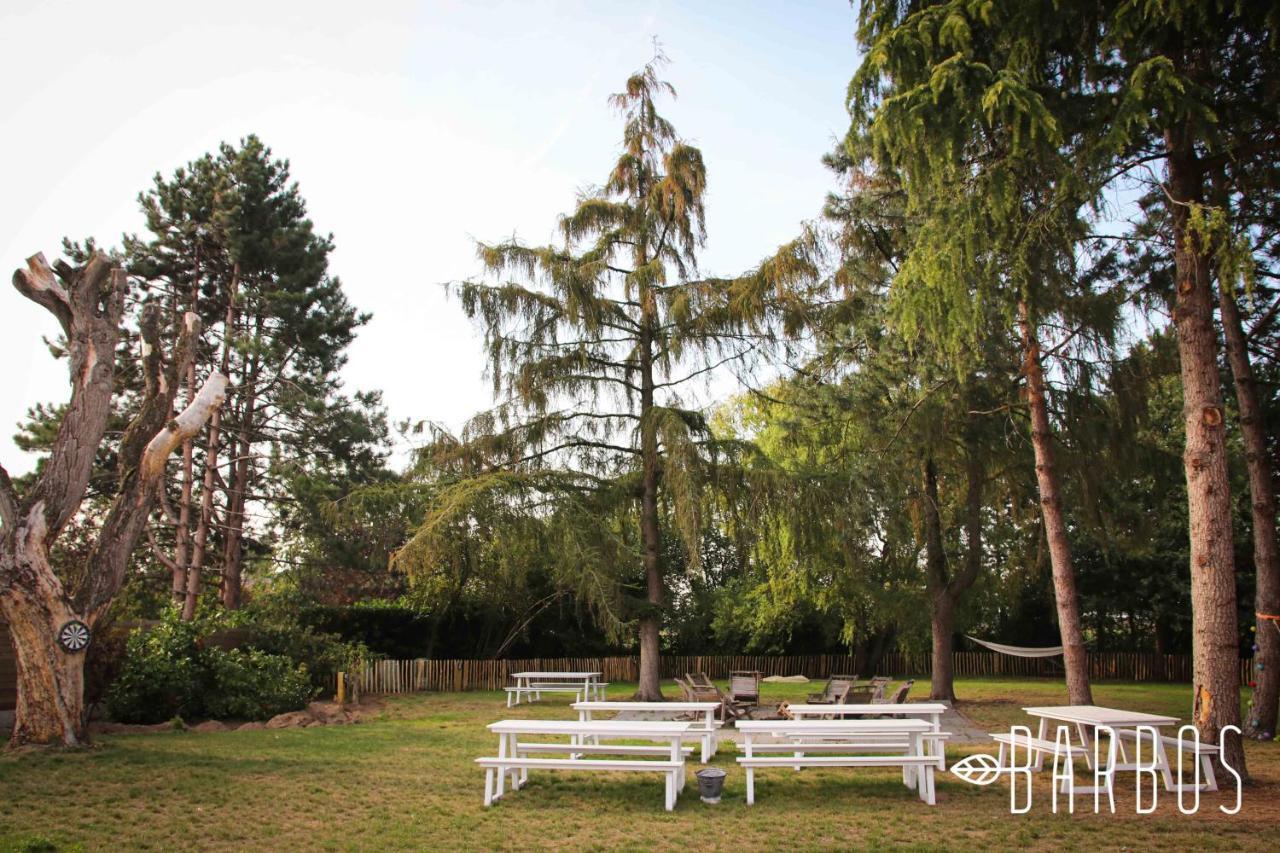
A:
(514, 760)
(704, 727)
(910, 744)
(533, 692)
(495, 769)
(533, 684)
(1207, 751)
(923, 765)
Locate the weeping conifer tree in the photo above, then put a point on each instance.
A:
(594, 346)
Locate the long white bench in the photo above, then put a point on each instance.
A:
(496, 768)
(923, 765)
(1207, 750)
(533, 692)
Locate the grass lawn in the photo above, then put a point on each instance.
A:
(405, 779)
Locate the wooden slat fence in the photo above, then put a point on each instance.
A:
(410, 676)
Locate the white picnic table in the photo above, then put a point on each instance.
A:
(931, 711)
(1086, 719)
(892, 742)
(705, 728)
(533, 684)
(584, 736)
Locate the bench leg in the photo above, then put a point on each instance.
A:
(751, 785)
(488, 786)
(929, 785)
(669, 791)
(1206, 764)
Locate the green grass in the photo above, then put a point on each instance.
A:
(406, 779)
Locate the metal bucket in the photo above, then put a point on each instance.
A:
(710, 784)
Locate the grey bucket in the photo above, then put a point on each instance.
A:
(710, 784)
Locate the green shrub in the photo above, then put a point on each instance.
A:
(176, 670)
(160, 677)
(253, 685)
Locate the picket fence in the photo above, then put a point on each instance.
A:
(412, 676)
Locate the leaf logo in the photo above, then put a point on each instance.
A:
(978, 769)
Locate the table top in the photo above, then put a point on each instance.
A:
(555, 674)
(621, 728)
(596, 705)
(834, 726)
(1096, 715)
(905, 709)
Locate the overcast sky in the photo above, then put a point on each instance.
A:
(413, 129)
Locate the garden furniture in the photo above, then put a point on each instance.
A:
(531, 685)
(845, 743)
(704, 728)
(836, 690)
(514, 759)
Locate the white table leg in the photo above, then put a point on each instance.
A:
(502, 771)
(751, 785)
(1038, 763)
(488, 786)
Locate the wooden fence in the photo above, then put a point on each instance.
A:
(410, 676)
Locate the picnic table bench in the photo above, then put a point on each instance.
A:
(1086, 721)
(514, 759)
(892, 743)
(704, 729)
(930, 711)
(531, 685)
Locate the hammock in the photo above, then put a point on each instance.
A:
(1019, 651)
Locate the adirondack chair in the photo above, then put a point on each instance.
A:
(836, 691)
(700, 688)
(877, 686)
(900, 695)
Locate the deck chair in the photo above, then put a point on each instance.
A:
(700, 688)
(836, 691)
(900, 695)
(877, 686)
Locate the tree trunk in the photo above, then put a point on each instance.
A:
(945, 590)
(89, 304)
(1075, 657)
(1261, 719)
(650, 688)
(233, 544)
(1215, 651)
(941, 603)
(212, 452)
(182, 533)
(50, 707)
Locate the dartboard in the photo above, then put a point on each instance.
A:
(73, 636)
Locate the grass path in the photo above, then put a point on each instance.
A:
(406, 780)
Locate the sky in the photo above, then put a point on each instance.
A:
(413, 130)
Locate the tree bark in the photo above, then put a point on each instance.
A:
(1260, 722)
(1215, 649)
(212, 452)
(182, 532)
(233, 543)
(650, 687)
(1075, 657)
(89, 303)
(945, 591)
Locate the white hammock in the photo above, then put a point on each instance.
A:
(1019, 651)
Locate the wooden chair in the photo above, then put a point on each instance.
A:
(877, 685)
(744, 686)
(836, 691)
(900, 695)
(698, 688)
